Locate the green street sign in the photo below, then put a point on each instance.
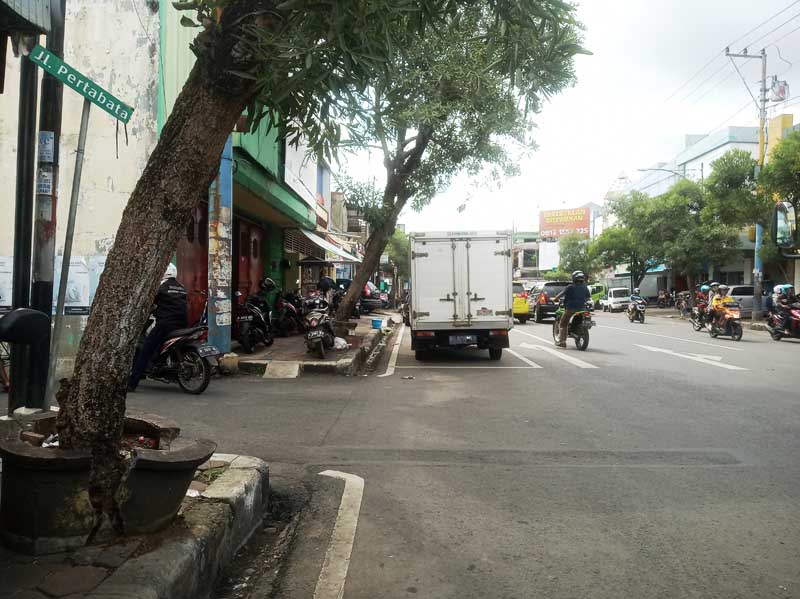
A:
(80, 83)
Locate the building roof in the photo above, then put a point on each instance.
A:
(709, 143)
(25, 15)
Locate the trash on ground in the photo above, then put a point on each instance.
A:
(408, 378)
(51, 441)
(340, 344)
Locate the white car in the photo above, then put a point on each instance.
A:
(617, 299)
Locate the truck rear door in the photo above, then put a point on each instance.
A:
(487, 284)
(433, 261)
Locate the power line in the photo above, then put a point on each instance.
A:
(703, 82)
(711, 89)
(784, 36)
(730, 118)
(768, 33)
(715, 57)
(776, 15)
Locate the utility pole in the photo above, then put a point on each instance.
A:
(23, 221)
(762, 147)
(46, 204)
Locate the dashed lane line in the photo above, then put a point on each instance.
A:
(714, 345)
(560, 354)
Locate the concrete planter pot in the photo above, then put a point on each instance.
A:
(44, 501)
(344, 328)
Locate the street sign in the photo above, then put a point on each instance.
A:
(74, 79)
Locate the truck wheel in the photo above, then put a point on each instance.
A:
(495, 353)
(523, 319)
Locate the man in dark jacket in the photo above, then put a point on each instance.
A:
(171, 313)
(575, 297)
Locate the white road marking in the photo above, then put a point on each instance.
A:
(534, 336)
(468, 367)
(695, 357)
(333, 575)
(530, 363)
(395, 352)
(715, 345)
(559, 353)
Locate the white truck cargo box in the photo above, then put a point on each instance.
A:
(461, 290)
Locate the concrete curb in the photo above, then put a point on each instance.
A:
(345, 366)
(186, 565)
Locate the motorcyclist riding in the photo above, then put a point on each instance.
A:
(635, 297)
(575, 297)
(171, 312)
(720, 298)
(711, 295)
(785, 298)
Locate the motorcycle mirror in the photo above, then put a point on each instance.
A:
(785, 226)
(238, 294)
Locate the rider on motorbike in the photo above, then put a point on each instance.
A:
(171, 312)
(785, 298)
(575, 297)
(711, 295)
(635, 298)
(720, 298)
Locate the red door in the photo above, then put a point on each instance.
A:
(249, 252)
(192, 261)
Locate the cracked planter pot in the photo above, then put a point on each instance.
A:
(44, 501)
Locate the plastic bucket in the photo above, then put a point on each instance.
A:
(376, 323)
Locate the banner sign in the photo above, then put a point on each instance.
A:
(557, 223)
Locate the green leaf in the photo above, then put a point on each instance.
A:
(187, 22)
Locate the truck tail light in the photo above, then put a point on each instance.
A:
(498, 333)
(425, 334)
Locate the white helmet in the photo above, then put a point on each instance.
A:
(172, 271)
(777, 290)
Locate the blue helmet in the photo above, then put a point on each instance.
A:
(705, 289)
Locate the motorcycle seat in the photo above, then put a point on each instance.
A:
(24, 326)
(184, 332)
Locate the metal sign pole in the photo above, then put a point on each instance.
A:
(62, 284)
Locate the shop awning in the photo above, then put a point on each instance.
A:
(329, 247)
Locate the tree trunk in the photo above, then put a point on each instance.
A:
(372, 253)
(178, 173)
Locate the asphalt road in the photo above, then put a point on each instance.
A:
(658, 463)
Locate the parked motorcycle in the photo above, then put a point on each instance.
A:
(791, 326)
(578, 328)
(253, 323)
(698, 316)
(320, 335)
(285, 317)
(636, 311)
(184, 358)
(727, 321)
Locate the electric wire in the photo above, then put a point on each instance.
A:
(716, 56)
(768, 33)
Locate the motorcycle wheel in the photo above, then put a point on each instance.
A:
(736, 332)
(712, 331)
(320, 349)
(776, 335)
(582, 340)
(270, 338)
(194, 373)
(556, 332)
(696, 325)
(641, 318)
(245, 338)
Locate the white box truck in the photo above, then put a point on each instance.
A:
(461, 291)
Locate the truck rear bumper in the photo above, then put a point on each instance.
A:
(483, 338)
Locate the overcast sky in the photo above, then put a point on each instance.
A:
(615, 119)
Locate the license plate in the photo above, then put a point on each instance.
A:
(316, 334)
(207, 350)
(463, 339)
(245, 318)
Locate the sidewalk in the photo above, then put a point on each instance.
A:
(288, 356)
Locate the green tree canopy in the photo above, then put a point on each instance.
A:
(573, 251)
(734, 198)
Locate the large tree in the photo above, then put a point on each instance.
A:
(304, 65)
(573, 254)
(455, 102)
(734, 196)
(619, 245)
